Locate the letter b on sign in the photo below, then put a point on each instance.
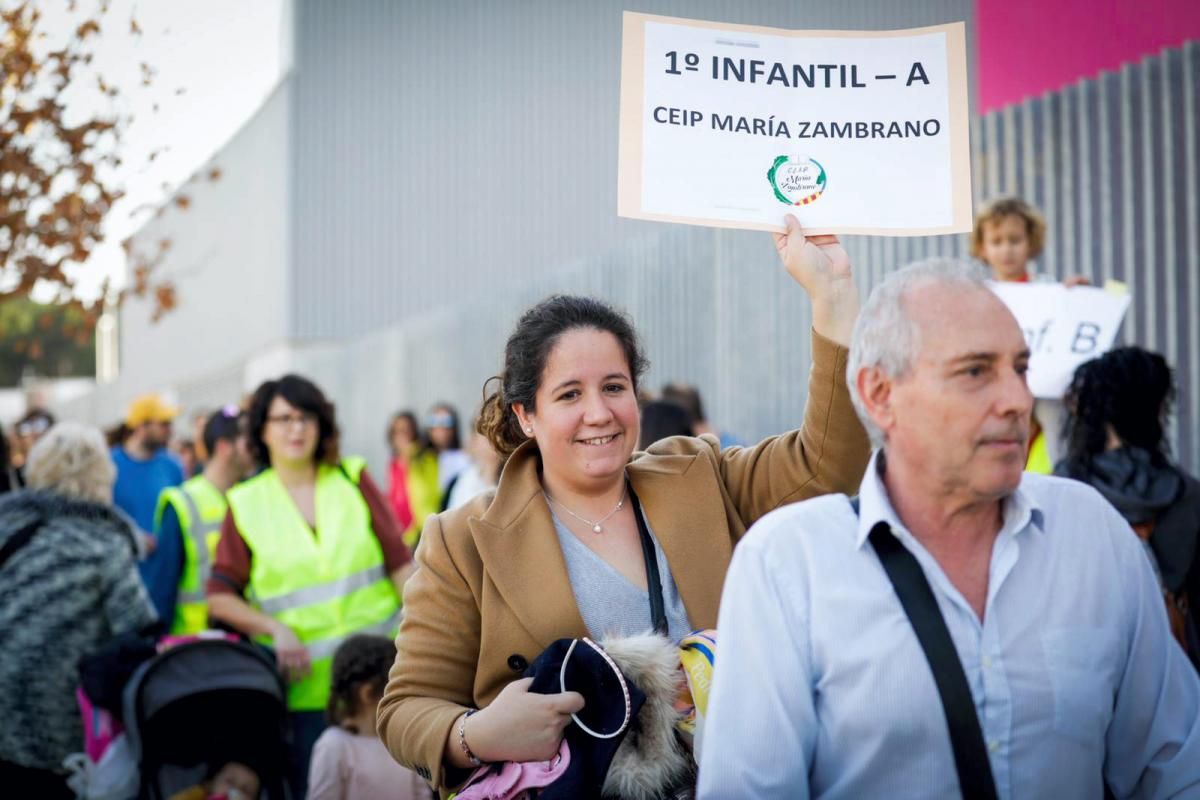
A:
(1086, 339)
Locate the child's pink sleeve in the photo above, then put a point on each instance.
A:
(325, 778)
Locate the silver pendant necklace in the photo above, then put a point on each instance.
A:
(597, 526)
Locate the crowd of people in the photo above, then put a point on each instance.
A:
(934, 585)
(275, 535)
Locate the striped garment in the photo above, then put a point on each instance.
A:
(71, 588)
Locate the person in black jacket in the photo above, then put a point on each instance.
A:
(1119, 405)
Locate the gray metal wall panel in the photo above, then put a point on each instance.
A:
(454, 162)
(1112, 163)
(449, 150)
(1190, 272)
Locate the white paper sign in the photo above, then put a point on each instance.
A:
(1064, 328)
(852, 131)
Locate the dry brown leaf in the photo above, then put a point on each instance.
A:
(37, 148)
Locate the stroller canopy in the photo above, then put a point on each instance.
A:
(201, 666)
(201, 704)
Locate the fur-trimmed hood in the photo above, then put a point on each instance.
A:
(651, 759)
(42, 507)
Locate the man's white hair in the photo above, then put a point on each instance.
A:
(886, 337)
(72, 459)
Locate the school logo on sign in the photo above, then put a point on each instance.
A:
(797, 180)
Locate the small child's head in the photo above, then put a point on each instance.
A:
(360, 671)
(235, 781)
(1008, 234)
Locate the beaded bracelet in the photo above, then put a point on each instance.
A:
(462, 739)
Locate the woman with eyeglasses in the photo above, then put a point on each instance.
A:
(586, 537)
(309, 552)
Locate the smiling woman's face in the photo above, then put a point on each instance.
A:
(586, 420)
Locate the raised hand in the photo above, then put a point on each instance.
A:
(811, 260)
(821, 266)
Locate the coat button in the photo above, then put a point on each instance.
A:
(517, 663)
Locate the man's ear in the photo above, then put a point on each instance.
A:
(875, 391)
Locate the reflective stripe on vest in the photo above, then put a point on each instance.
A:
(198, 530)
(325, 648)
(311, 595)
(200, 508)
(324, 584)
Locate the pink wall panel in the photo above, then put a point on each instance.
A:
(1026, 47)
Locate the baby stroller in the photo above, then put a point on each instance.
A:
(201, 704)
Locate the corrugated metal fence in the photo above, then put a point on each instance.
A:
(1112, 164)
(1111, 161)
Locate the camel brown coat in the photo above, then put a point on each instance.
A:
(491, 590)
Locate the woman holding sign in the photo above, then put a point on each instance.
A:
(580, 526)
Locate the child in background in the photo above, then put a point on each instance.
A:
(1009, 233)
(348, 761)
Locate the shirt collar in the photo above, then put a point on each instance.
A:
(1019, 509)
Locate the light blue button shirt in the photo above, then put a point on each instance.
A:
(822, 690)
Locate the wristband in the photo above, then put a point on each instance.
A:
(462, 738)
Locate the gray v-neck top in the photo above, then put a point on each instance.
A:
(608, 602)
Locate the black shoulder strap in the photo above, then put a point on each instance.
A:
(658, 612)
(444, 503)
(966, 736)
(18, 540)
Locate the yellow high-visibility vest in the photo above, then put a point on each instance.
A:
(1039, 456)
(200, 508)
(325, 584)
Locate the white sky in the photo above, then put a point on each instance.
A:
(226, 56)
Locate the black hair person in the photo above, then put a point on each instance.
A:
(303, 395)
(527, 350)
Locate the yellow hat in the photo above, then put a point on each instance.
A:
(149, 408)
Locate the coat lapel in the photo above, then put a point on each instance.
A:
(684, 507)
(521, 554)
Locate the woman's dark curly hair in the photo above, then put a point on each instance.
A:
(302, 394)
(1128, 389)
(529, 348)
(363, 659)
